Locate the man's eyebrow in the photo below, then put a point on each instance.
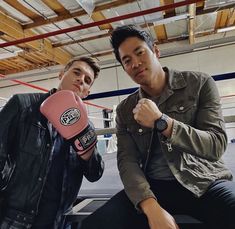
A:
(137, 48)
(77, 69)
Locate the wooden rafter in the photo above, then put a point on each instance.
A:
(170, 12)
(231, 19)
(160, 31)
(224, 18)
(24, 10)
(56, 6)
(81, 40)
(192, 15)
(218, 18)
(98, 16)
(79, 13)
(13, 29)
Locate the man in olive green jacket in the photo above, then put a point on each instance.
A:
(171, 136)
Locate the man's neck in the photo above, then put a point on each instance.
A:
(157, 86)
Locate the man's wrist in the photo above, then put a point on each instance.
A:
(147, 205)
(167, 132)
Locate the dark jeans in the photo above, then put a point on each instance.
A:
(8, 223)
(216, 208)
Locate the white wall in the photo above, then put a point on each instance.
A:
(212, 61)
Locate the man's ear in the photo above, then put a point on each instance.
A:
(61, 74)
(156, 51)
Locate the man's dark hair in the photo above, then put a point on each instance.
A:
(89, 60)
(121, 33)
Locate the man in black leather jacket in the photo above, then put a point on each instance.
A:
(48, 172)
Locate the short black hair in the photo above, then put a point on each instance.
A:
(121, 33)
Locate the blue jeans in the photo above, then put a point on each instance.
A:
(216, 208)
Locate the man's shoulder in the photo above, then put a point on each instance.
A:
(188, 77)
(129, 101)
(196, 74)
(27, 99)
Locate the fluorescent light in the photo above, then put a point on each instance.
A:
(171, 19)
(222, 30)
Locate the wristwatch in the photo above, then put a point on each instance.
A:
(161, 124)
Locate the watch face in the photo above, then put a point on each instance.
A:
(161, 124)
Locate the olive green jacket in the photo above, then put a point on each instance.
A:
(198, 140)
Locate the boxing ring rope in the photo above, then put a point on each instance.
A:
(46, 90)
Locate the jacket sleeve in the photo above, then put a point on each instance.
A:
(8, 123)
(136, 186)
(93, 168)
(207, 139)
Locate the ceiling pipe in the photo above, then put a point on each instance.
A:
(97, 23)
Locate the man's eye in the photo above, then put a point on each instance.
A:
(126, 61)
(88, 81)
(140, 52)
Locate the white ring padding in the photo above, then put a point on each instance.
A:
(106, 131)
(105, 119)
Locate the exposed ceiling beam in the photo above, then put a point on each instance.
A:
(218, 19)
(169, 12)
(14, 30)
(81, 40)
(56, 6)
(98, 16)
(160, 31)
(224, 18)
(24, 10)
(191, 23)
(93, 24)
(231, 20)
(214, 9)
(79, 13)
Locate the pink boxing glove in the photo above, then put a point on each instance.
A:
(67, 113)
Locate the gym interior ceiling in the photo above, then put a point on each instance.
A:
(36, 34)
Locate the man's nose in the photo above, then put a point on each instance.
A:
(136, 62)
(81, 79)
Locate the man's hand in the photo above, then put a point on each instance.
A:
(146, 112)
(158, 218)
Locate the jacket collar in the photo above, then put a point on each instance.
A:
(175, 81)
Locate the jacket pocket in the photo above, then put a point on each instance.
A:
(33, 139)
(141, 136)
(183, 112)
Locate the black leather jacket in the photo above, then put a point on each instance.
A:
(25, 136)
